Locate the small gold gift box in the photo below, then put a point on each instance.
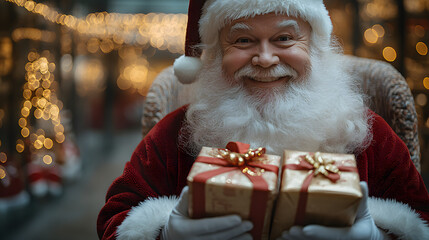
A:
(222, 184)
(316, 188)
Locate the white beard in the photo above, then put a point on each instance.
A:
(323, 111)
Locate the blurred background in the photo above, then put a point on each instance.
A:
(74, 75)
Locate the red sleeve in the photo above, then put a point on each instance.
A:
(156, 169)
(389, 171)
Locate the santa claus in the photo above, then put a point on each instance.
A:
(267, 73)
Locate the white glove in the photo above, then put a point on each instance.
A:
(179, 226)
(364, 227)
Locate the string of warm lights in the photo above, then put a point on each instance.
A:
(161, 31)
(384, 9)
(33, 34)
(107, 32)
(40, 101)
(5, 65)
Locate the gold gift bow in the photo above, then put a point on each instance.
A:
(240, 159)
(322, 165)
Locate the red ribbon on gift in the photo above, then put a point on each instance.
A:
(315, 164)
(260, 186)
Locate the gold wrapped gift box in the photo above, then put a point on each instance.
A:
(219, 188)
(321, 188)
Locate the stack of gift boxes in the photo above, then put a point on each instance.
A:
(274, 193)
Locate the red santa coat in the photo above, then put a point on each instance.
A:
(139, 202)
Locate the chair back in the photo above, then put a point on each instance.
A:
(390, 97)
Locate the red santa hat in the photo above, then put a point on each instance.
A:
(207, 17)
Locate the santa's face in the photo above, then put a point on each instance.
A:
(264, 85)
(266, 42)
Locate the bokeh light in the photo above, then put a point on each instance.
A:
(422, 48)
(421, 99)
(47, 159)
(2, 172)
(426, 82)
(371, 35)
(389, 54)
(3, 157)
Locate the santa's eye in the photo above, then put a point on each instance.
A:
(242, 40)
(284, 38)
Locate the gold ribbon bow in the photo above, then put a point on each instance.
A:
(240, 159)
(322, 165)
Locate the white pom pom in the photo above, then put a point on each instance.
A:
(186, 68)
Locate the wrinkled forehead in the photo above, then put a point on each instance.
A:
(271, 20)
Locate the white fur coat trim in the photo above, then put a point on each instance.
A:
(145, 221)
(398, 218)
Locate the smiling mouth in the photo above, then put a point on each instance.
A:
(267, 79)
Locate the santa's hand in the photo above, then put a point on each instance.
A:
(364, 227)
(180, 226)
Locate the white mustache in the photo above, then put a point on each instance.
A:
(266, 75)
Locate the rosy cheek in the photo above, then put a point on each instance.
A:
(233, 61)
(297, 59)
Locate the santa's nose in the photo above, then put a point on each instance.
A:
(266, 56)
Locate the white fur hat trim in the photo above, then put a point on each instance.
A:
(217, 13)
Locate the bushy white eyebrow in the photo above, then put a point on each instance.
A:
(289, 23)
(239, 26)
